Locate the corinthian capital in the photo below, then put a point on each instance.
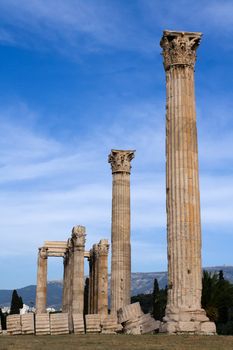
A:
(43, 253)
(120, 160)
(78, 236)
(179, 48)
(103, 247)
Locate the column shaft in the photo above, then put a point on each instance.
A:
(41, 289)
(183, 311)
(102, 303)
(120, 241)
(78, 238)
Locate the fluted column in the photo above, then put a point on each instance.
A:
(69, 277)
(41, 288)
(90, 291)
(182, 185)
(65, 283)
(95, 279)
(78, 239)
(120, 240)
(102, 304)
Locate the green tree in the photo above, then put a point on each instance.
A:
(159, 301)
(217, 300)
(16, 303)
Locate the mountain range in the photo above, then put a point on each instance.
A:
(142, 283)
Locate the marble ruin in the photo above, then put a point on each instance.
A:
(73, 254)
(183, 312)
(120, 242)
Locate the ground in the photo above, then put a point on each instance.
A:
(116, 342)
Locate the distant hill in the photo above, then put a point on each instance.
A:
(142, 283)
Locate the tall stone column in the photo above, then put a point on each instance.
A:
(65, 283)
(95, 279)
(90, 291)
(69, 277)
(41, 288)
(183, 312)
(102, 304)
(78, 239)
(120, 240)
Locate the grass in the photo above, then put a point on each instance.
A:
(116, 342)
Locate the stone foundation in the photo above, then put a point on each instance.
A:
(187, 321)
(27, 323)
(59, 324)
(13, 324)
(78, 323)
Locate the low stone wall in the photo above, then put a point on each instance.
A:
(129, 319)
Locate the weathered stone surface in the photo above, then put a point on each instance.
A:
(182, 185)
(78, 239)
(0, 328)
(120, 241)
(208, 328)
(42, 324)
(59, 323)
(13, 324)
(148, 324)
(41, 288)
(134, 321)
(110, 325)
(102, 279)
(27, 322)
(129, 312)
(78, 323)
(93, 323)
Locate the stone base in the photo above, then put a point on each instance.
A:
(187, 321)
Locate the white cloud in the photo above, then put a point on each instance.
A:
(80, 24)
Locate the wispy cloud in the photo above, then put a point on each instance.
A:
(88, 25)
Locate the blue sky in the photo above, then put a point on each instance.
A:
(81, 77)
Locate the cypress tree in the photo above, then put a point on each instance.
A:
(16, 303)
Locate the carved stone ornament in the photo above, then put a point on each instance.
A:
(43, 253)
(179, 48)
(95, 250)
(120, 160)
(79, 236)
(103, 247)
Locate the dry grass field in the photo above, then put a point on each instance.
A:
(116, 342)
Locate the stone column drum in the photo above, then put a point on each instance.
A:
(78, 239)
(95, 279)
(102, 304)
(65, 282)
(120, 240)
(41, 288)
(90, 291)
(183, 312)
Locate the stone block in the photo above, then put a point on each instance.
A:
(148, 324)
(110, 325)
(42, 324)
(185, 317)
(13, 324)
(168, 327)
(27, 323)
(208, 328)
(187, 327)
(93, 323)
(78, 323)
(59, 324)
(129, 312)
